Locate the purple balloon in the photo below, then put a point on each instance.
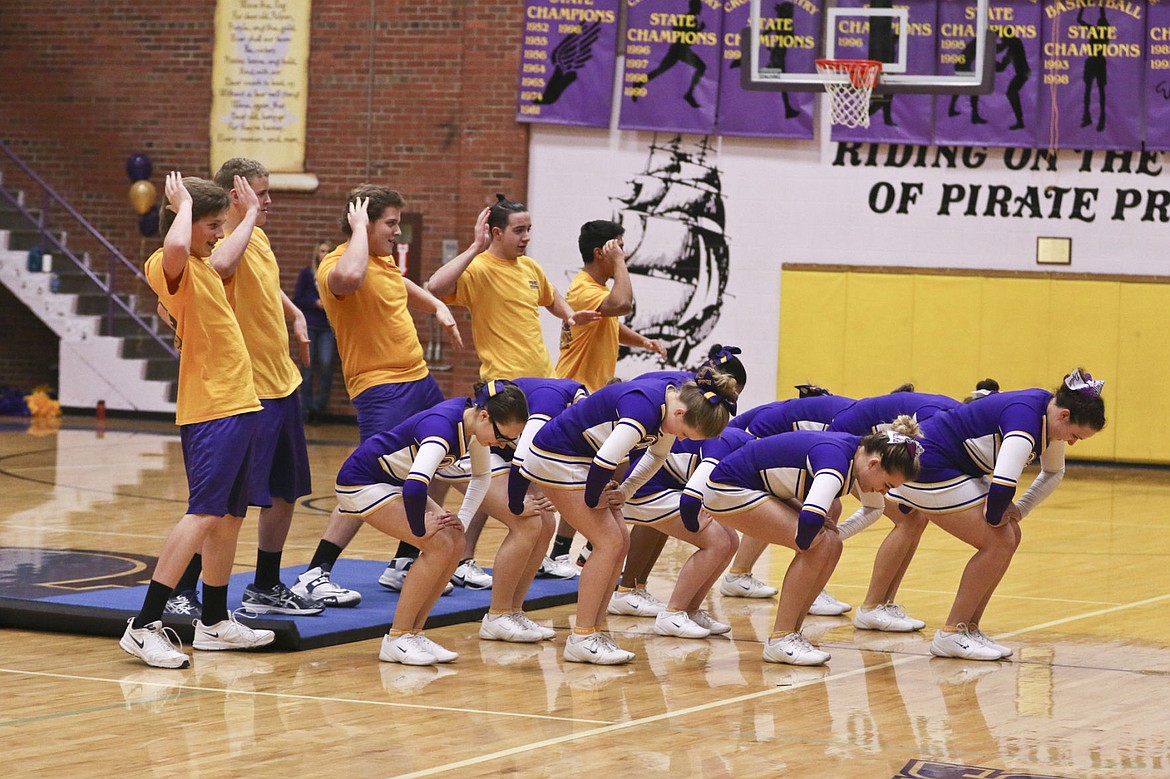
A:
(148, 223)
(138, 167)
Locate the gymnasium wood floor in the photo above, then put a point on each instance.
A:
(1085, 605)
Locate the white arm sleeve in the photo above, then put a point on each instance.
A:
(1013, 456)
(698, 481)
(822, 492)
(648, 466)
(617, 445)
(872, 504)
(524, 442)
(477, 487)
(427, 460)
(1049, 478)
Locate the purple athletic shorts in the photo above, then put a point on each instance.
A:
(383, 406)
(280, 458)
(218, 457)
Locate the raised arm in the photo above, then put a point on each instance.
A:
(445, 280)
(177, 242)
(226, 257)
(620, 300)
(348, 275)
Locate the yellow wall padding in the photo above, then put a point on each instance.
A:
(861, 332)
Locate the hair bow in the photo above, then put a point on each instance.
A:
(981, 393)
(913, 445)
(1084, 383)
(707, 386)
(811, 391)
(490, 390)
(723, 355)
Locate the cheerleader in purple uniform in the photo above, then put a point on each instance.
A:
(575, 458)
(384, 482)
(530, 526)
(671, 502)
(814, 409)
(750, 490)
(632, 597)
(872, 415)
(974, 457)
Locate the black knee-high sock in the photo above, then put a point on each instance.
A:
(190, 578)
(407, 550)
(153, 605)
(325, 556)
(214, 604)
(561, 546)
(267, 569)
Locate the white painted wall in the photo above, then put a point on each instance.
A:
(787, 202)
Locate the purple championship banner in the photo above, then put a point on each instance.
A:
(1094, 60)
(1158, 76)
(788, 42)
(895, 118)
(673, 50)
(1010, 115)
(567, 62)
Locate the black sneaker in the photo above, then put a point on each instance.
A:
(279, 600)
(184, 604)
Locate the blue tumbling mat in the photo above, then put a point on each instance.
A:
(104, 611)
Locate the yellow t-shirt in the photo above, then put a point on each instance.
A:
(253, 292)
(588, 352)
(505, 297)
(215, 374)
(376, 337)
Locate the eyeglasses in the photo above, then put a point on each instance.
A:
(500, 437)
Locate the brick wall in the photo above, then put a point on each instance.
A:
(416, 95)
(28, 350)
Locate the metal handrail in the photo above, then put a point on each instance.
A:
(48, 196)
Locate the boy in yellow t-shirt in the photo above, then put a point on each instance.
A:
(504, 289)
(367, 299)
(589, 352)
(215, 411)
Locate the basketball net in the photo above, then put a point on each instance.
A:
(850, 84)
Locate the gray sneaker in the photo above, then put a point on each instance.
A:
(279, 600)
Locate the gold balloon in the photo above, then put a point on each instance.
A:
(142, 195)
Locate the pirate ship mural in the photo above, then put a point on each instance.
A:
(677, 250)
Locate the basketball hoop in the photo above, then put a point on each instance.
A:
(849, 84)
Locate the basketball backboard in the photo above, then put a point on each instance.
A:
(925, 46)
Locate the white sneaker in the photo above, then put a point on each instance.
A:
(595, 648)
(703, 617)
(395, 574)
(983, 638)
(679, 623)
(635, 603)
(827, 606)
(229, 634)
(744, 585)
(152, 645)
(505, 627)
(471, 576)
(900, 613)
(794, 649)
(963, 645)
(441, 653)
(315, 584)
(559, 568)
(405, 649)
(545, 632)
(881, 618)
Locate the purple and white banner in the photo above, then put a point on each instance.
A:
(1093, 67)
(567, 62)
(1158, 75)
(671, 80)
(788, 39)
(1010, 115)
(894, 118)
